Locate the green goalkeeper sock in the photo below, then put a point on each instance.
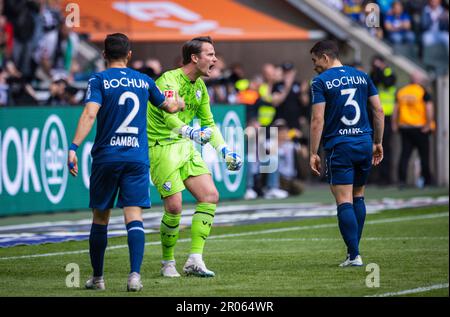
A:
(169, 229)
(201, 225)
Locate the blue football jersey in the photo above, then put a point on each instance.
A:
(345, 91)
(122, 94)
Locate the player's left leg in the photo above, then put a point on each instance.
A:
(203, 189)
(133, 196)
(362, 168)
(136, 245)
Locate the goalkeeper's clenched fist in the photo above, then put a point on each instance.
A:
(199, 135)
(232, 159)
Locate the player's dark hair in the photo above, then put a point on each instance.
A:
(117, 46)
(194, 46)
(326, 47)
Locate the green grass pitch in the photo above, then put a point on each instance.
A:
(297, 259)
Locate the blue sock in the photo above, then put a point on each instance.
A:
(360, 212)
(98, 240)
(349, 228)
(136, 244)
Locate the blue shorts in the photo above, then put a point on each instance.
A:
(130, 180)
(349, 163)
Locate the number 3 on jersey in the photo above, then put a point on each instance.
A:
(124, 128)
(351, 102)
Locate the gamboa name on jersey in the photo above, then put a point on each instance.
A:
(123, 140)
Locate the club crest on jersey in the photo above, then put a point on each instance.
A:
(167, 186)
(198, 94)
(169, 93)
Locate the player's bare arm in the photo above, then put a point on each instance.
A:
(429, 112)
(378, 126)
(85, 124)
(317, 120)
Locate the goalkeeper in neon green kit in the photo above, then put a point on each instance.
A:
(176, 165)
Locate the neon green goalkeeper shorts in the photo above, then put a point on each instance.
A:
(172, 164)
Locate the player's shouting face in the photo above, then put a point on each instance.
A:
(205, 60)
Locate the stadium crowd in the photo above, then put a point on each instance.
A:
(416, 28)
(37, 48)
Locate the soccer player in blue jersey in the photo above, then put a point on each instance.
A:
(117, 98)
(340, 97)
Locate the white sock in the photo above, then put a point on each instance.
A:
(196, 256)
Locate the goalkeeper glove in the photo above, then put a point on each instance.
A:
(232, 159)
(200, 136)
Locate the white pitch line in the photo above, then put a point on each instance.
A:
(331, 225)
(412, 291)
(333, 239)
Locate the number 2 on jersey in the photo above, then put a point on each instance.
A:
(124, 128)
(351, 102)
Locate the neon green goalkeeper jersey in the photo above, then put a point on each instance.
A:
(163, 128)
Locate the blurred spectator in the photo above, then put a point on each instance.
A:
(253, 189)
(272, 189)
(250, 96)
(269, 79)
(415, 9)
(414, 119)
(62, 93)
(266, 111)
(288, 155)
(336, 4)
(435, 23)
(385, 6)
(56, 50)
(137, 64)
(237, 76)
(398, 25)
(4, 88)
(24, 16)
(287, 97)
(79, 74)
(6, 39)
(384, 79)
(152, 68)
(354, 10)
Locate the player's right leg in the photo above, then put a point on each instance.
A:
(340, 175)
(166, 161)
(360, 208)
(169, 230)
(98, 241)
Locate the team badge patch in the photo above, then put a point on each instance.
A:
(198, 94)
(169, 93)
(167, 186)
